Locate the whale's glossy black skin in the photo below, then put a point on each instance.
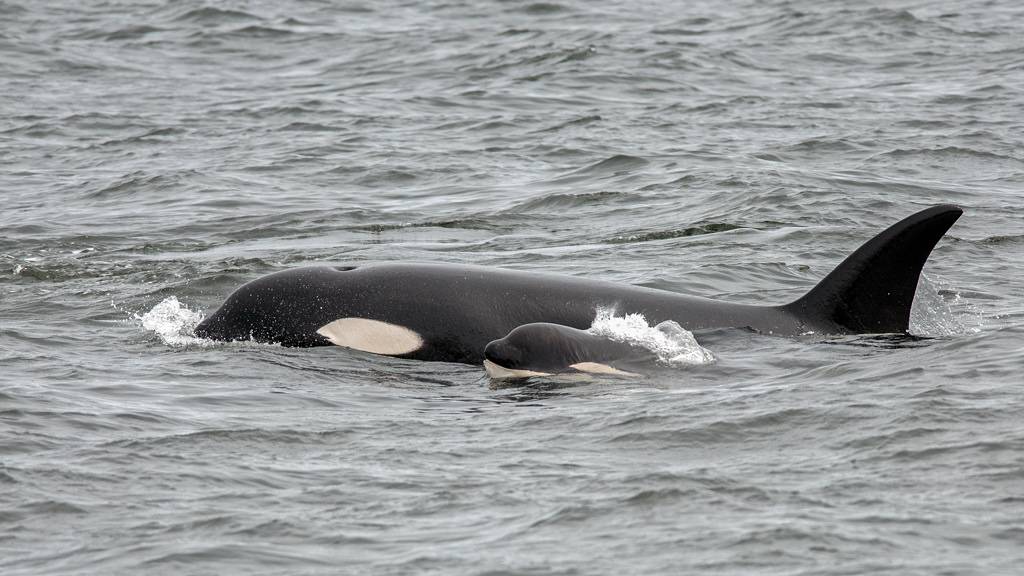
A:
(555, 349)
(458, 309)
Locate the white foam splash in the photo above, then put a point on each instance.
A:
(674, 345)
(936, 315)
(173, 322)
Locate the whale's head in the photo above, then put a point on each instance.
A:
(543, 349)
(241, 317)
(538, 349)
(284, 308)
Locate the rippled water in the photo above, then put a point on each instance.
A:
(738, 150)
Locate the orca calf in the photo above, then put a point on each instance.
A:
(545, 349)
(450, 313)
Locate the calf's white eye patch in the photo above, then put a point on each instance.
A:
(371, 336)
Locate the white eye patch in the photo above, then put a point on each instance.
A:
(371, 336)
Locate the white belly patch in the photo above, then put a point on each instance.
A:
(371, 336)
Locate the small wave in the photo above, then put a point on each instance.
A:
(564, 201)
(542, 8)
(581, 121)
(709, 228)
(457, 224)
(390, 176)
(613, 166)
(824, 144)
(10, 9)
(45, 507)
(945, 153)
(137, 182)
(674, 345)
(1001, 239)
(257, 31)
(210, 14)
(658, 496)
(131, 32)
(173, 323)
(308, 127)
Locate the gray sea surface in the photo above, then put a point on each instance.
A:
(154, 155)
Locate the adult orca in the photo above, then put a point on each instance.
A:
(545, 349)
(450, 313)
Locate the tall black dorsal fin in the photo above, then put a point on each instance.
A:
(871, 292)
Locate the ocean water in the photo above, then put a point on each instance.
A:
(154, 155)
